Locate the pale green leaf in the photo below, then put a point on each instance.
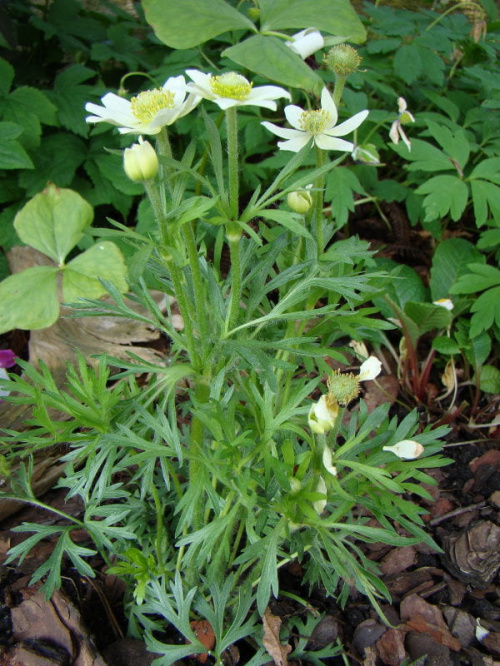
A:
(336, 17)
(28, 300)
(182, 25)
(81, 276)
(53, 221)
(445, 194)
(272, 59)
(486, 200)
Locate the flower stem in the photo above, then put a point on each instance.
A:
(198, 284)
(233, 165)
(338, 88)
(318, 204)
(233, 229)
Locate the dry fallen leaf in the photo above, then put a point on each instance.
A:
(271, 639)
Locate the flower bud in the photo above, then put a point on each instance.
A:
(323, 414)
(306, 42)
(342, 60)
(140, 161)
(300, 201)
(407, 449)
(320, 505)
(444, 303)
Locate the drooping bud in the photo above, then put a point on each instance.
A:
(300, 201)
(323, 415)
(407, 449)
(342, 60)
(366, 154)
(140, 161)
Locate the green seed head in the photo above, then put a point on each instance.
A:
(342, 60)
(343, 387)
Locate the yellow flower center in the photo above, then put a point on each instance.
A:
(147, 104)
(315, 122)
(230, 85)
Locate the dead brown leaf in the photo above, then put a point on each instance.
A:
(271, 639)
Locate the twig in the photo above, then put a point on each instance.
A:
(456, 512)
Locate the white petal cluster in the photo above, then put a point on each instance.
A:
(231, 89)
(322, 415)
(319, 125)
(149, 111)
(404, 118)
(370, 369)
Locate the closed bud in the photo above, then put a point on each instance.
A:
(300, 201)
(306, 42)
(342, 60)
(140, 161)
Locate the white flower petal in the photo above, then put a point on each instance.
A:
(445, 303)
(294, 145)
(402, 106)
(293, 114)
(320, 505)
(348, 125)
(283, 132)
(394, 132)
(370, 369)
(268, 93)
(404, 137)
(326, 142)
(328, 105)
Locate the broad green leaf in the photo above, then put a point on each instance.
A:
(490, 379)
(481, 276)
(111, 167)
(428, 317)
(341, 183)
(6, 76)
(53, 221)
(445, 345)
(81, 275)
(12, 154)
(70, 97)
(489, 239)
(290, 221)
(56, 161)
(479, 349)
(450, 260)
(486, 311)
(37, 102)
(28, 300)
(424, 156)
(445, 194)
(488, 169)
(336, 17)
(23, 116)
(408, 63)
(486, 200)
(272, 59)
(405, 286)
(443, 103)
(455, 144)
(182, 25)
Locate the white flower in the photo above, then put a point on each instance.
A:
(405, 117)
(306, 42)
(370, 369)
(232, 89)
(320, 505)
(322, 415)
(327, 461)
(445, 303)
(320, 126)
(407, 449)
(149, 111)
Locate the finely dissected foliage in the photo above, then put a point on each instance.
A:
(201, 477)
